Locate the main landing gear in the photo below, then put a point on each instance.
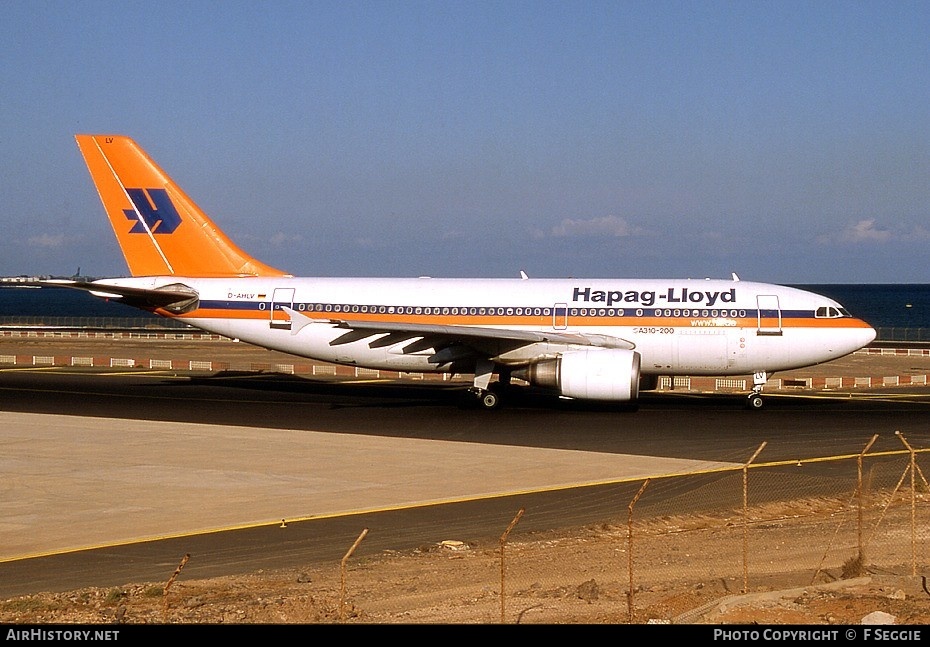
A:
(487, 395)
(486, 399)
(754, 400)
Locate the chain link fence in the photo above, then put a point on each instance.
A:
(151, 322)
(680, 543)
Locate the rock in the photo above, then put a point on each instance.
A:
(588, 591)
(878, 618)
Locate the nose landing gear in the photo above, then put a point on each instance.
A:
(754, 400)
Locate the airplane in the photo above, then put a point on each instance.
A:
(587, 339)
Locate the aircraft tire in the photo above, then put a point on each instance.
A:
(489, 400)
(755, 402)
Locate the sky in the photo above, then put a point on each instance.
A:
(786, 141)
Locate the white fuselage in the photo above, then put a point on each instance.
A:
(679, 327)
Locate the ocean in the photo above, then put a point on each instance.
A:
(59, 302)
(900, 312)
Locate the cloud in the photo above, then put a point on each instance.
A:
(864, 231)
(280, 238)
(604, 226)
(47, 240)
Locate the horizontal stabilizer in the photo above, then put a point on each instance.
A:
(175, 298)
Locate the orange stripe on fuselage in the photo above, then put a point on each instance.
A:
(544, 322)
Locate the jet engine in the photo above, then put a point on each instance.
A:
(590, 374)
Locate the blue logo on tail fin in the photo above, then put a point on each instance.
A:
(162, 219)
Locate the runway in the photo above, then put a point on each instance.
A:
(74, 483)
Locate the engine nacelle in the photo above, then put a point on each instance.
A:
(591, 374)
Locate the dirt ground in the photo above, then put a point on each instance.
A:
(684, 571)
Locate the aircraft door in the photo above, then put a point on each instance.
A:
(560, 316)
(769, 318)
(279, 318)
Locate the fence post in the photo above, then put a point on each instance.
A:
(342, 570)
(913, 467)
(746, 517)
(506, 534)
(629, 596)
(860, 495)
(171, 580)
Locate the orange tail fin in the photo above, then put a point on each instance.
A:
(160, 230)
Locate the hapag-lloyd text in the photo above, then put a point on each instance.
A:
(706, 298)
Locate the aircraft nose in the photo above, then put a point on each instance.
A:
(852, 339)
(863, 336)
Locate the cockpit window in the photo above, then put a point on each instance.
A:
(830, 312)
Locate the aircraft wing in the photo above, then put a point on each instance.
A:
(485, 341)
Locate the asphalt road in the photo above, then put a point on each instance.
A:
(566, 463)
